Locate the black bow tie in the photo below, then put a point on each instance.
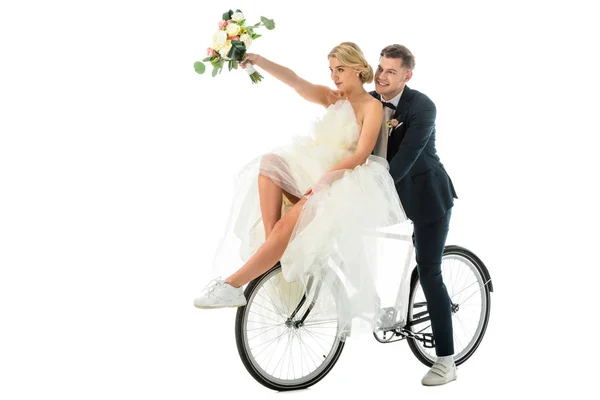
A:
(390, 105)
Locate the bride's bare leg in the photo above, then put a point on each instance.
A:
(271, 250)
(270, 202)
(270, 194)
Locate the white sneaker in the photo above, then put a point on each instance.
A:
(439, 374)
(220, 294)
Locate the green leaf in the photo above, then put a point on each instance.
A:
(230, 65)
(235, 64)
(269, 23)
(199, 67)
(215, 71)
(255, 36)
(227, 15)
(241, 23)
(237, 51)
(238, 10)
(207, 59)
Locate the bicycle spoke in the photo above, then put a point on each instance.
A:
(466, 285)
(472, 294)
(465, 330)
(278, 292)
(274, 349)
(262, 333)
(321, 322)
(308, 353)
(456, 294)
(289, 297)
(314, 352)
(315, 339)
(281, 358)
(281, 312)
(269, 310)
(301, 352)
(268, 342)
(264, 323)
(278, 349)
(264, 316)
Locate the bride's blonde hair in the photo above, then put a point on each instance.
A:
(351, 56)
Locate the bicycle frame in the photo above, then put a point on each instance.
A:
(402, 332)
(407, 260)
(399, 331)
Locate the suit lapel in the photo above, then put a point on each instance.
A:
(406, 94)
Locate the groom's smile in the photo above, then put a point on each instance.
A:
(390, 77)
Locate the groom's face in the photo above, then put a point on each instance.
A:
(391, 77)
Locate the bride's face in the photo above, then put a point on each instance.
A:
(343, 77)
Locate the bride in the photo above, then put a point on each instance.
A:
(317, 196)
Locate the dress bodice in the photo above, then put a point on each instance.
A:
(338, 127)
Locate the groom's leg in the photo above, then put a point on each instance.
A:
(429, 240)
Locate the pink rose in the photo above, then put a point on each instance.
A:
(228, 22)
(222, 23)
(395, 123)
(235, 38)
(210, 52)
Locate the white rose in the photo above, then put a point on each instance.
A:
(233, 29)
(247, 39)
(237, 16)
(225, 49)
(219, 40)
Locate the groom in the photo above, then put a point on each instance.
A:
(424, 187)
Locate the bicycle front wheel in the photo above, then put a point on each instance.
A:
(287, 336)
(469, 286)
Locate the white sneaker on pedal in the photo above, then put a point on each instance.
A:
(219, 294)
(440, 374)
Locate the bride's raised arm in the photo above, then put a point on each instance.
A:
(314, 93)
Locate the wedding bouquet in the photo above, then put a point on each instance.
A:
(230, 43)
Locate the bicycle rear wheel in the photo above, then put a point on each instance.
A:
(469, 285)
(287, 336)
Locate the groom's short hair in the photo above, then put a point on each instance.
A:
(399, 51)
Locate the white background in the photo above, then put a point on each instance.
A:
(117, 164)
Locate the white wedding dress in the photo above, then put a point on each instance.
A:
(330, 240)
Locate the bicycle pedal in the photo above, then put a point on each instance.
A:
(428, 341)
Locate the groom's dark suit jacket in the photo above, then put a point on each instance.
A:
(425, 189)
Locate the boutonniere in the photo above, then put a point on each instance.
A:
(392, 124)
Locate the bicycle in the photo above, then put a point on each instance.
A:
(266, 319)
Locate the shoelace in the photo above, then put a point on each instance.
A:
(212, 285)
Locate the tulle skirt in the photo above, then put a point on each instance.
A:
(332, 241)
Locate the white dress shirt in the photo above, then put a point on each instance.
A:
(382, 140)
